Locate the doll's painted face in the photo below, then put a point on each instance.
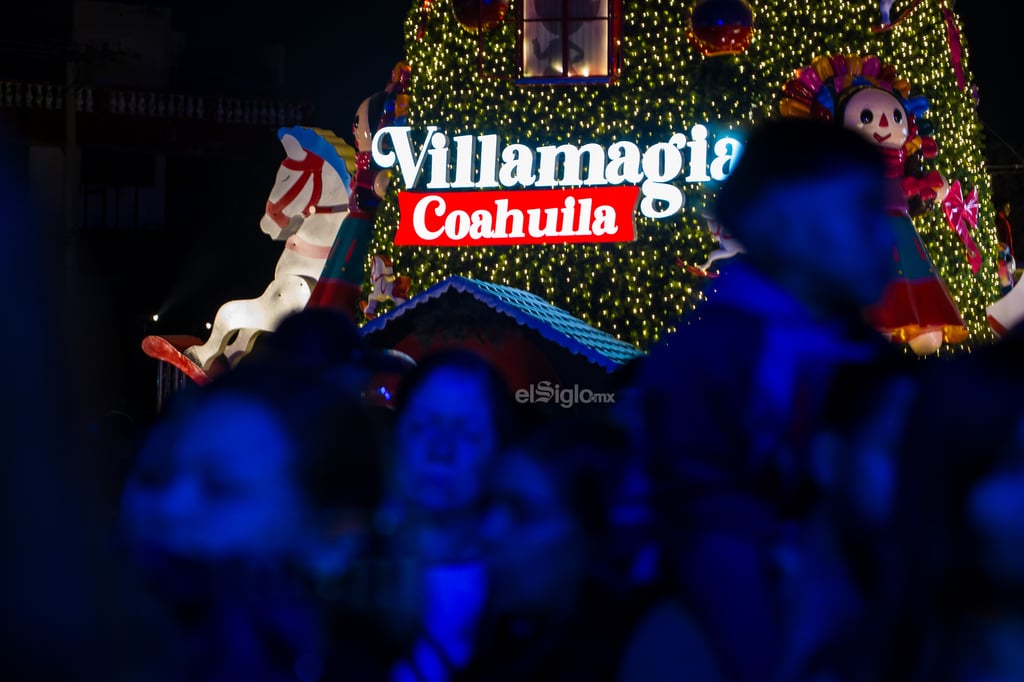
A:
(877, 115)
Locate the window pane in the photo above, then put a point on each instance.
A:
(543, 9)
(542, 49)
(588, 48)
(588, 8)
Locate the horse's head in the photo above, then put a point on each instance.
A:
(313, 178)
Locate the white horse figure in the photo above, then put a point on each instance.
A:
(306, 205)
(386, 286)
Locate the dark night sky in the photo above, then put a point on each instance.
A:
(336, 53)
(994, 43)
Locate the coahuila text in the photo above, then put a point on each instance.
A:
(492, 218)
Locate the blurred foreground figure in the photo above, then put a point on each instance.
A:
(454, 414)
(69, 612)
(954, 611)
(731, 400)
(248, 494)
(841, 561)
(556, 607)
(324, 344)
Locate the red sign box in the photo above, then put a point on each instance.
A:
(524, 216)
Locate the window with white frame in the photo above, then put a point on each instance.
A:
(569, 40)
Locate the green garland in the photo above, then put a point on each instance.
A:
(466, 83)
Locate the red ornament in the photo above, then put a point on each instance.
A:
(721, 27)
(480, 15)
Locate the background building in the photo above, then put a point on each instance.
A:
(149, 143)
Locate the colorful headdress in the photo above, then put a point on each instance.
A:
(817, 90)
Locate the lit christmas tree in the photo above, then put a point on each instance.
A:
(484, 72)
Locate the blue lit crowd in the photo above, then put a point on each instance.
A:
(776, 494)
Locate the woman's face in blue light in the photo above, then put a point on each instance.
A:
(445, 439)
(223, 486)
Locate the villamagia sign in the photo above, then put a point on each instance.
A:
(544, 195)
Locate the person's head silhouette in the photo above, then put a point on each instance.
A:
(807, 201)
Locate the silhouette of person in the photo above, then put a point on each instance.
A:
(731, 397)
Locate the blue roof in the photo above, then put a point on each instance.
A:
(528, 310)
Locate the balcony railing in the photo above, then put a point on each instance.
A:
(152, 104)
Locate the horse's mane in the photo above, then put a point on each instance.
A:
(328, 146)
